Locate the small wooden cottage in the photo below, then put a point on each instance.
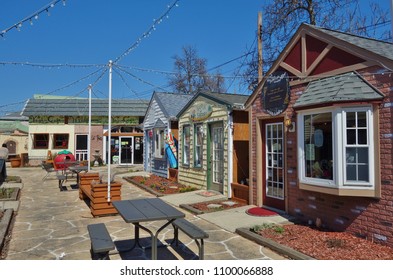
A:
(213, 146)
(322, 133)
(159, 126)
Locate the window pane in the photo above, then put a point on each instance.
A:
(362, 136)
(362, 119)
(362, 155)
(351, 155)
(351, 136)
(351, 172)
(363, 173)
(351, 119)
(318, 146)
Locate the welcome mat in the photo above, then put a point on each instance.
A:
(260, 212)
(207, 193)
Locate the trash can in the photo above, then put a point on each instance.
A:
(24, 159)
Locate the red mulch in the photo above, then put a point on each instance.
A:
(326, 245)
(160, 184)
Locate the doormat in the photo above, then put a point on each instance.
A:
(260, 212)
(207, 193)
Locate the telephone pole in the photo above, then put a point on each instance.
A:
(260, 66)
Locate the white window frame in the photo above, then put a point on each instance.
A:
(159, 142)
(339, 144)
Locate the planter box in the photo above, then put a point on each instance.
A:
(96, 193)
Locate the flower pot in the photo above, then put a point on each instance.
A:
(15, 162)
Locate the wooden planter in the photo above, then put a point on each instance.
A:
(96, 193)
(240, 193)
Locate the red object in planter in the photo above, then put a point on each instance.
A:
(59, 160)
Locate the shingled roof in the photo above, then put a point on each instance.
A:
(172, 103)
(80, 107)
(340, 88)
(381, 48)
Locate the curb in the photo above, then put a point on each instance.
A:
(191, 209)
(281, 249)
(5, 225)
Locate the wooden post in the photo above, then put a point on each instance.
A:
(260, 65)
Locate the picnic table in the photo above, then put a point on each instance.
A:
(137, 211)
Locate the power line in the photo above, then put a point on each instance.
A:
(33, 16)
(50, 65)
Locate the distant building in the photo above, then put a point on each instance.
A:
(160, 123)
(14, 132)
(57, 124)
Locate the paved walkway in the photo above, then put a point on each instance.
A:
(53, 225)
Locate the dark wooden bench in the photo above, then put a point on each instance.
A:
(101, 241)
(192, 231)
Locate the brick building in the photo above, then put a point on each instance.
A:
(322, 132)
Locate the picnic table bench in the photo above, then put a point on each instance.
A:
(192, 231)
(101, 241)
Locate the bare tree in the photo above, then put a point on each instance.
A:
(191, 75)
(281, 18)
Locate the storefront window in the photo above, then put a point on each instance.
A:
(41, 141)
(336, 147)
(186, 145)
(198, 150)
(318, 146)
(60, 141)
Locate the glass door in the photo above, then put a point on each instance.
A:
(126, 150)
(274, 165)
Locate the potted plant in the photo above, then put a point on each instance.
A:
(15, 161)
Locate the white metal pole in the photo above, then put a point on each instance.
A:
(89, 136)
(109, 131)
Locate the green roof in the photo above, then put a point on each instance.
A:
(341, 88)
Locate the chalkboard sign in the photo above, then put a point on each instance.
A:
(275, 93)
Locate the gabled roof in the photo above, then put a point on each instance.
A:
(329, 53)
(381, 48)
(341, 88)
(80, 107)
(171, 103)
(234, 101)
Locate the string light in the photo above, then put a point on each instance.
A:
(149, 31)
(35, 15)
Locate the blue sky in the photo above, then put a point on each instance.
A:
(94, 32)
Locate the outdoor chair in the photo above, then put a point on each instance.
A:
(49, 168)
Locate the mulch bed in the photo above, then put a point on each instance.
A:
(159, 184)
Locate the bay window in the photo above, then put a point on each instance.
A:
(336, 147)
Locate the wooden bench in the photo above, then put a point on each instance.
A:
(101, 241)
(192, 231)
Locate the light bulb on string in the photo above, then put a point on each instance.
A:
(47, 11)
(36, 17)
(64, 3)
(31, 22)
(19, 26)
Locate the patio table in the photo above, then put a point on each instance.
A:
(78, 169)
(136, 211)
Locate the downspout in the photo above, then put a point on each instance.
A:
(230, 152)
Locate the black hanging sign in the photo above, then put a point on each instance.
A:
(276, 93)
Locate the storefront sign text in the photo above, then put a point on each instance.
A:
(200, 112)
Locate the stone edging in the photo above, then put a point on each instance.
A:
(281, 249)
(191, 209)
(4, 225)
